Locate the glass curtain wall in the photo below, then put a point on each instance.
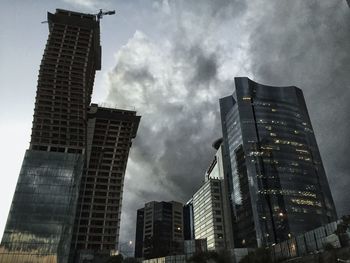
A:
(40, 223)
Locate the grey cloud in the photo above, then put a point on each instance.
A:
(172, 87)
(206, 68)
(175, 81)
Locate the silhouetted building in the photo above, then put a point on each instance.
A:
(70, 147)
(109, 135)
(66, 77)
(277, 183)
(188, 220)
(139, 233)
(162, 229)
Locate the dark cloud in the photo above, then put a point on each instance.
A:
(139, 75)
(175, 81)
(206, 68)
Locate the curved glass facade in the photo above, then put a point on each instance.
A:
(278, 184)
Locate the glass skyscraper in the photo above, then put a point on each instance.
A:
(71, 180)
(40, 223)
(277, 183)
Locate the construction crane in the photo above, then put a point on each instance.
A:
(100, 14)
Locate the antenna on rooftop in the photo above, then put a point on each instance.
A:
(100, 14)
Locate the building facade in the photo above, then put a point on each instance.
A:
(64, 178)
(188, 222)
(139, 233)
(66, 77)
(194, 246)
(40, 222)
(277, 183)
(208, 214)
(162, 226)
(210, 205)
(109, 135)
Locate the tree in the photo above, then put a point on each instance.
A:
(130, 260)
(260, 255)
(344, 225)
(342, 229)
(328, 247)
(202, 257)
(210, 257)
(114, 259)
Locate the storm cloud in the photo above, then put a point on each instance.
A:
(175, 77)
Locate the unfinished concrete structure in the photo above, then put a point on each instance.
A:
(71, 180)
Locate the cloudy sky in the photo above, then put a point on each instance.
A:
(172, 61)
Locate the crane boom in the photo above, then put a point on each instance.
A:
(100, 14)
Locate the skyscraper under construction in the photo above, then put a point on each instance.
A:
(69, 191)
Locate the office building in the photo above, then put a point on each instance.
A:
(211, 212)
(218, 170)
(162, 226)
(139, 233)
(277, 183)
(69, 151)
(188, 220)
(209, 215)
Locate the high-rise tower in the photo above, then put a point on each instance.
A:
(277, 181)
(159, 230)
(211, 205)
(109, 136)
(66, 77)
(73, 171)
